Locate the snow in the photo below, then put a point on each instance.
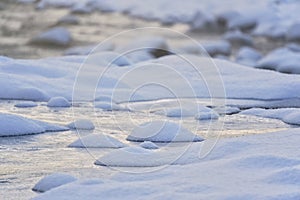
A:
(287, 115)
(148, 145)
(248, 56)
(238, 38)
(217, 48)
(293, 33)
(58, 102)
(110, 57)
(248, 167)
(68, 19)
(282, 60)
(207, 115)
(85, 50)
(52, 181)
(24, 126)
(97, 141)
(110, 106)
(227, 110)
(26, 104)
(162, 131)
(56, 36)
(82, 124)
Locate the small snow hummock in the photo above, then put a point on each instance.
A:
(58, 102)
(25, 93)
(149, 145)
(133, 157)
(15, 125)
(97, 141)
(52, 181)
(26, 104)
(82, 124)
(162, 131)
(207, 115)
(109, 106)
(57, 36)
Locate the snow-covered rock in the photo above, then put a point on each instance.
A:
(162, 131)
(56, 36)
(82, 124)
(242, 23)
(148, 145)
(238, 38)
(218, 48)
(248, 56)
(52, 181)
(293, 33)
(203, 21)
(58, 102)
(97, 141)
(26, 104)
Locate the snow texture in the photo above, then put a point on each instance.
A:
(97, 141)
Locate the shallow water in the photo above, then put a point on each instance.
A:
(26, 159)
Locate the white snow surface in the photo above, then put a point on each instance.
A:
(26, 104)
(248, 167)
(52, 181)
(149, 145)
(97, 141)
(162, 131)
(55, 36)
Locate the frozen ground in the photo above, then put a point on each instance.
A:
(119, 101)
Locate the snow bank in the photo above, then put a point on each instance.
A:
(58, 102)
(97, 141)
(52, 181)
(149, 145)
(282, 60)
(26, 104)
(82, 124)
(57, 36)
(162, 131)
(14, 125)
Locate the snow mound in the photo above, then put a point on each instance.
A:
(248, 56)
(58, 102)
(109, 106)
(218, 48)
(238, 38)
(13, 125)
(162, 131)
(149, 145)
(26, 104)
(85, 50)
(293, 33)
(68, 19)
(282, 60)
(242, 23)
(82, 124)
(24, 93)
(132, 157)
(52, 181)
(185, 111)
(97, 141)
(56, 36)
(227, 110)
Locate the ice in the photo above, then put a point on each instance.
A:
(97, 141)
(149, 145)
(52, 181)
(58, 102)
(26, 104)
(162, 131)
(82, 124)
(248, 56)
(15, 125)
(56, 36)
(282, 60)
